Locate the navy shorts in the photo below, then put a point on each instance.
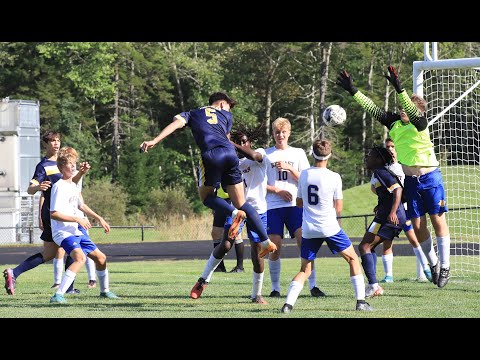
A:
(220, 167)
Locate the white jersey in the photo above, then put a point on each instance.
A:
(254, 175)
(396, 168)
(64, 199)
(318, 188)
(283, 179)
(79, 187)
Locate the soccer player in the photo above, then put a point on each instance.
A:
(424, 188)
(387, 257)
(66, 201)
(286, 163)
(58, 261)
(253, 165)
(320, 194)
(46, 174)
(211, 127)
(217, 235)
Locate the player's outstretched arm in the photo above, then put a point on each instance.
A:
(344, 80)
(177, 123)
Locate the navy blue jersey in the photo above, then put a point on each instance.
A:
(46, 170)
(209, 126)
(384, 189)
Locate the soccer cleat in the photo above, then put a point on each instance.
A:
(236, 223)
(443, 278)
(286, 308)
(266, 249)
(316, 292)
(198, 288)
(387, 279)
(236, 269)
(91, 284)
(428, 274)
(55, 286)
(57, 298)
(362, 305)
(435, 272)
(372, 290)
(73, 292)
(108, 295)
(259, 300)
(275, 293)
(9, 281)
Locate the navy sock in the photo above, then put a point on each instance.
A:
(68, 262)
(218, 204)
(254, 221)
(28, 264)
(369, 268)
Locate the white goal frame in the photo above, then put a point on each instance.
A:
(452, 90)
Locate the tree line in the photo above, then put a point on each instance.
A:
(107, 97)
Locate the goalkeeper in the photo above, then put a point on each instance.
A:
(424, 188)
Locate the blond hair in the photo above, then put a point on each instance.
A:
(281, 123)
(66, 155)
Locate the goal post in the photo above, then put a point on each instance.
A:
(452, 90)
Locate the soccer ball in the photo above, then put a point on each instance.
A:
(334, 115)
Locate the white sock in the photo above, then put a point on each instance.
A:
(211, 265)
(274, 267)
(358, 283)
(257, 284)
(58, 265)
(67, 280)
(429, 251)
(387, 261)
(90, 265)
(293, 292)
(421, 258)
(103, 280)
(312, 279)
(443, 243)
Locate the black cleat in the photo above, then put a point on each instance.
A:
(435, 272)
(362, 305)
(316, 292)
(443, 278)
(275, 293)
(236, 269)
(286, 308)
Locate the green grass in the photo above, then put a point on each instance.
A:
(160, 289)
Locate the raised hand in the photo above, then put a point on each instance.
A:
(345, 81)
(393, 78)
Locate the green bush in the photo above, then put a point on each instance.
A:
(167, 202)
(107, 200)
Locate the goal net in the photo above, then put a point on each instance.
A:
(452, 91)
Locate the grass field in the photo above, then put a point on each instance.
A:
(160, 289)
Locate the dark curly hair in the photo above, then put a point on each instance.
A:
(383, 154)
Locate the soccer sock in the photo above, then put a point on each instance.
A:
(239, 250)
(274, 266)
(358, 284)
(28, 264)
(387, 261)
(67, 280)
(222, 264)
(443, 243)
(254, 221)
(257, 284)
(293, 292)
(211, 265)
(421, 258)
(312, 279)
(429, 251)
(57, 270)
(218, 204)
(103, 280)
(369, 268)
(90, 265)
(68, 262)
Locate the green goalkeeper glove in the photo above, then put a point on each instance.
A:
(345, 81)
(393, 78)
